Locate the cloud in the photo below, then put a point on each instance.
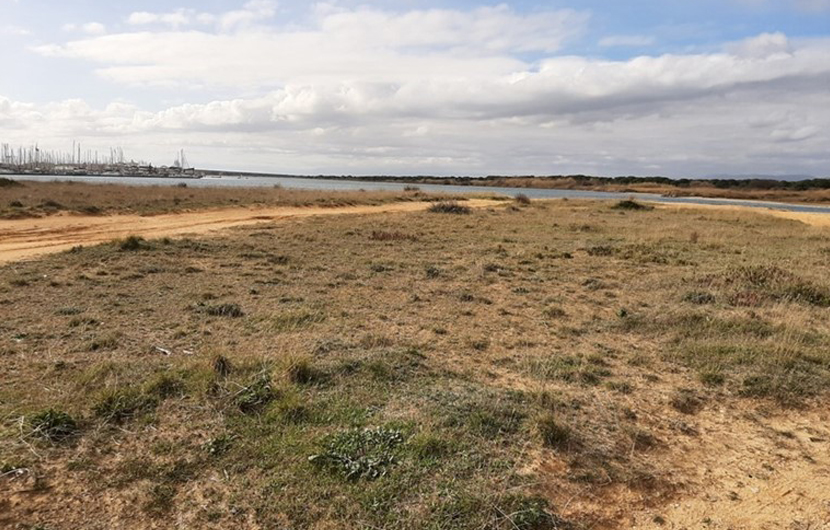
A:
(94, 28)
(364, 44)
(251, 12)
(447, 91)
(14, 31)
(181, 17)
(762, 46)
(633, 41)
(90, 28)
(809, 6)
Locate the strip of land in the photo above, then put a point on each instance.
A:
(27, 238)
(812, 219)
(32, 237)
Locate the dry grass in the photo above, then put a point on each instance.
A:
(489, 370)
(35, 199)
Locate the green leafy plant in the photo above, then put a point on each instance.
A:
(360, 453)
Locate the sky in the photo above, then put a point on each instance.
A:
(689, 88)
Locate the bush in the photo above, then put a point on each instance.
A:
(631, 204)
(449, 207)
(91, 210)
(132, 243)
(53, 425)
(522, 199)
(9, 183)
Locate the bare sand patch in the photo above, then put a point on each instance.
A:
(27, 238)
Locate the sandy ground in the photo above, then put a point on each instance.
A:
(27, 238)
(812, 219)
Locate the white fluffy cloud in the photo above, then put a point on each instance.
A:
(251, 12)
(90, 28)
(446, 91)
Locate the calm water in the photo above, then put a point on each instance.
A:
(353, 185)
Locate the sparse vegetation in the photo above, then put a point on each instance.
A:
(563, 365)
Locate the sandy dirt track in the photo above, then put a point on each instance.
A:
(27, 238)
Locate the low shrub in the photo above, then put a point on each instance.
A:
(132, 243)
(631, 204)
(9, 183)
(451, 207)
(522, 199)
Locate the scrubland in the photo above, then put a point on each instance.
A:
(538, 365)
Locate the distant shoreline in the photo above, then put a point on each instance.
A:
(812, 191)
